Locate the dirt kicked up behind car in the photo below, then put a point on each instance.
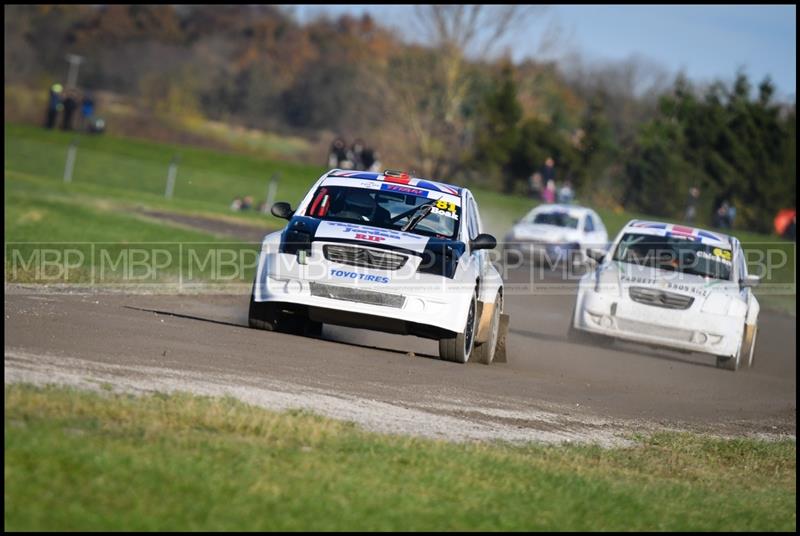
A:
(387, 252)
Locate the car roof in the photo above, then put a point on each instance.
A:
(660, 228)
(402, 179)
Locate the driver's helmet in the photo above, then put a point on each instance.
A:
(360, 202)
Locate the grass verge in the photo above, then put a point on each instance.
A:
(113, 176)
(88, 461)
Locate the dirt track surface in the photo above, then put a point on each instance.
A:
(550, 390)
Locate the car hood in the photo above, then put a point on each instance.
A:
(368, 235)
(708, 293)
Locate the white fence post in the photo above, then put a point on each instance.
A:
(173, 171)
(70, 165)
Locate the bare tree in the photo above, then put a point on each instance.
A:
(432, 105)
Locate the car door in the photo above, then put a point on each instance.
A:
(474, 228)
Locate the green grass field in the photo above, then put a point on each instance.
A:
(79, 461)
(82, 461)
(114, 177)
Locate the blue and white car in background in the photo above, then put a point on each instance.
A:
(672, 286)
(388, 252)
(556, 233)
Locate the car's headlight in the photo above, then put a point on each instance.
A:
(716, 304)
(720, 304)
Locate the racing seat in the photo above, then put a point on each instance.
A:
(359, 206)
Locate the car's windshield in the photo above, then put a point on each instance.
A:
(675, 254)
(386, 209)
(559, 219)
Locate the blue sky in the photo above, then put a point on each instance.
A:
(705, 42)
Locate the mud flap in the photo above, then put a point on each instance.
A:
(485, 312)
(500, 353)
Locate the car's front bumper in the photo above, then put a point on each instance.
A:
(423, 299)
(681, 329)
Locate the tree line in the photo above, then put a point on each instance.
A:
(435, 108)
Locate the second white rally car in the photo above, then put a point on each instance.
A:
(553, 234)
(388, 252)
(673, 286)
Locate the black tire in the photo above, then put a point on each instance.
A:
(262, 315)
(743, 357)
(484, 352)
(585, 337)
(268, 316)
(460, 348)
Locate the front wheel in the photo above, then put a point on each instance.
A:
(585, 337)
(268, 316)
(485, 352)
(262, 315)
(460, 347)
(744, 356)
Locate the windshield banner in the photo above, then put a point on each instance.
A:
(371, 235)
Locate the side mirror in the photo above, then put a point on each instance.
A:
(282, 209)
(750, 281)
(483, 241)
(596, 254)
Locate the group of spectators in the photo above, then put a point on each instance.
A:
(543, 185)
(722, 216)
(358, 156)
(64, 103)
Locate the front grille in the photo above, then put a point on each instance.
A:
(368, 258)
(660, 298)
(357, 295)
(656, 330)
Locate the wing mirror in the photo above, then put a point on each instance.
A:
(750, 281)
(483, 241)
(596, 254)
(281, 209)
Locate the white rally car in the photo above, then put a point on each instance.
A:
(674, 286)
(556, 233)
(387, 252)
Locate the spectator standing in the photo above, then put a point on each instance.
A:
(720, 219)
(87, 111)
(376, 163)
(535, 185)
(357, 154)
(691, 204)
(54, 105)
(70, 104)
(565, 193)
(338, 153)
(548, 171)
(368, 158)
(549, 192)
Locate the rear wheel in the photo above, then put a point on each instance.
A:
(460, 347)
